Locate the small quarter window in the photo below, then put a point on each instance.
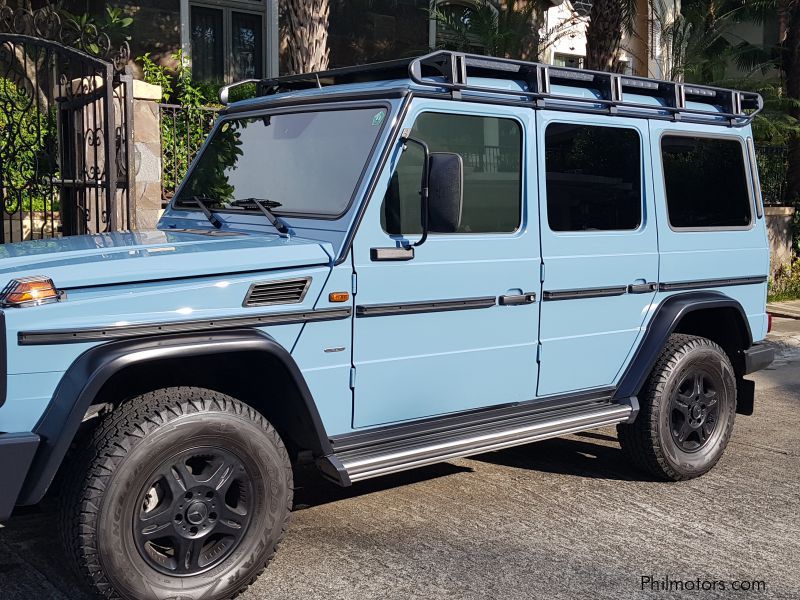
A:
(705, 182)
(491, 149)
(594, 180)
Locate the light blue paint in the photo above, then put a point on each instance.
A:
(406, 366)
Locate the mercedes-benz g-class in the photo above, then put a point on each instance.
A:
(377, 268)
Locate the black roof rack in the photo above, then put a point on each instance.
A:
(452, 71)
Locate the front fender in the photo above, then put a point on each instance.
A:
(86, 376)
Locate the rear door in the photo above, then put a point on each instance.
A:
(599, 247)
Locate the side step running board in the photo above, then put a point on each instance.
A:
(383, 459)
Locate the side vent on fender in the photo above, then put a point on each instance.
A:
(287, 291)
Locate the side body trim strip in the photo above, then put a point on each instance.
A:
(711, 283)
(650, 287)
(95, 334)
(406, 308)
(584, 293)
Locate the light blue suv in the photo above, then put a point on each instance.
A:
(378, 268)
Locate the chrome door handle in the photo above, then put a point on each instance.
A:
(517, 299)
(642, 288)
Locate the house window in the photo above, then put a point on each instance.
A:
(568, 60)
(226, 40)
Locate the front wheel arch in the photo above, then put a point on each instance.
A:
(96, 375)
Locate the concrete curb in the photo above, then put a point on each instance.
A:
(779, 309)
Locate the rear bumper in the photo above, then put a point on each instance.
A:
(757, 357)
(16, 455)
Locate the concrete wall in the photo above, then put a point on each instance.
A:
(779, 230)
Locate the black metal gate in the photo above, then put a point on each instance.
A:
(66, 128)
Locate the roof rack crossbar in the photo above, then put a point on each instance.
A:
(452, 71)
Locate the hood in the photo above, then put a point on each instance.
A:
(129, 257)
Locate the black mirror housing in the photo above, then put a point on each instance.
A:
(446, 191)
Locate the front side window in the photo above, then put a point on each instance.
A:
(594, 177)
(491, 149)
(705, 182)
(303, 163)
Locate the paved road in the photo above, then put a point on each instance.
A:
(561, 519)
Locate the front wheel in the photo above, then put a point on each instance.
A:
(182, 492)
(688, 406)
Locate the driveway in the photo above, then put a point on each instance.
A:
(566, 518)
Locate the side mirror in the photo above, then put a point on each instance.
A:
(445, 191)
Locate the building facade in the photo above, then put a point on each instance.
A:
(230, 40)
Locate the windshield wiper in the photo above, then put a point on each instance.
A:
(201, 202)
(264, 206)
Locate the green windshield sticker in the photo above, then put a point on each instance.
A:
(378, 118)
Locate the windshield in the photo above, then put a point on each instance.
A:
(299, 163)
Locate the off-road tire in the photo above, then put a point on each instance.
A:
(100, 502)
(652, 441)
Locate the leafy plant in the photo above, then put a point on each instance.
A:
(186, 119)
(89, 32)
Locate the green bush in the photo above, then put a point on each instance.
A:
(785, 285)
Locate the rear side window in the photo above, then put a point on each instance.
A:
(491, 149)
(705, 182)
(594, 177)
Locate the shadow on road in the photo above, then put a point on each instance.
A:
(30, 544)
(588, 456)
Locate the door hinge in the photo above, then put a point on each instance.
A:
(539, 352)
(352, 378)
(355, 283)
(541, 271)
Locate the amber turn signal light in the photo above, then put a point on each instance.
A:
(339, 296)
(26, 291)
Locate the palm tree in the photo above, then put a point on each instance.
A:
(508, 29)
(608, 21)
(304, 34)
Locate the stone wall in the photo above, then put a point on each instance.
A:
(779, 230)
(147, 151)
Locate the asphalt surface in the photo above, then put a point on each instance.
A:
(561, 519)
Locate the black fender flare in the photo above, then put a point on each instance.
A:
(91, 370)
(668, 314)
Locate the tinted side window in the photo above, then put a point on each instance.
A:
(492, 152)
(705, 181)
(594, 179)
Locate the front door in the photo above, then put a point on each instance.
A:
(452, 329)
(599, 247)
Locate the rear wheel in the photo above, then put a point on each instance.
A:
(688, 406)
(182, 492)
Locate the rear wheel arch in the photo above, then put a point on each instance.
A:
(120, 370)
(707, 314)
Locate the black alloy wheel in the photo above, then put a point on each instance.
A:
(193, 511)
(695, 410)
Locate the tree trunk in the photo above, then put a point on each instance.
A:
(305, 35)
(791, 74)
(604, 35)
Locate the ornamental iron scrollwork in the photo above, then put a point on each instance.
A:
(65, 127)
